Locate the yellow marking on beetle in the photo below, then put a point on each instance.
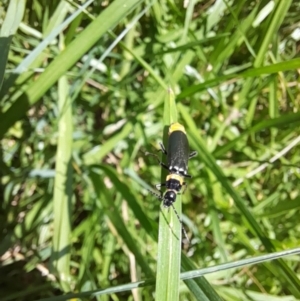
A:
(176, 127)
(175, 177)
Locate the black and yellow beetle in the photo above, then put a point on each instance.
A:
(178, 155)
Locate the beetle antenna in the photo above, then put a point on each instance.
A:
(182, 227)
(180, 221)
(156, 195)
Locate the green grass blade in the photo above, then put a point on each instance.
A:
(225, 47)
(119, 61)
(271, 29)
(145, 65)
(63, 188)
(268, 33)
(284, 120)
(200, 287)
(170, 237)
(184, 276)
(9, 27)
(35, 58)
(169, 240)
(252, 72)
(66, 59)
(111, 211)
(124, 189)
(240, 263)
(95, 155)
(13, 18)
(58, 17)
(286, 274)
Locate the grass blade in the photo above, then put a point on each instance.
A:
(111, 211)
(65, 60)
(9, 27)
(63, 188)
(284, 271)
(169, 240)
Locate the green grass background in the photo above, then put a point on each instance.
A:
(87, 88)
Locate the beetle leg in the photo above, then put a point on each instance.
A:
(162, 148)
(184, 185)
(186, 175)
(192, 154)
(158, 186)
(160, 163)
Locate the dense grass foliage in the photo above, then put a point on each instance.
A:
(87, 88)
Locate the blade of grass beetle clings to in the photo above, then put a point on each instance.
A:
(62, 195)
(170, 231)
(169, 241)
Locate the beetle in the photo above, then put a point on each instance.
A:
(178, 155)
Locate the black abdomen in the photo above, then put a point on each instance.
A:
(178, 153)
